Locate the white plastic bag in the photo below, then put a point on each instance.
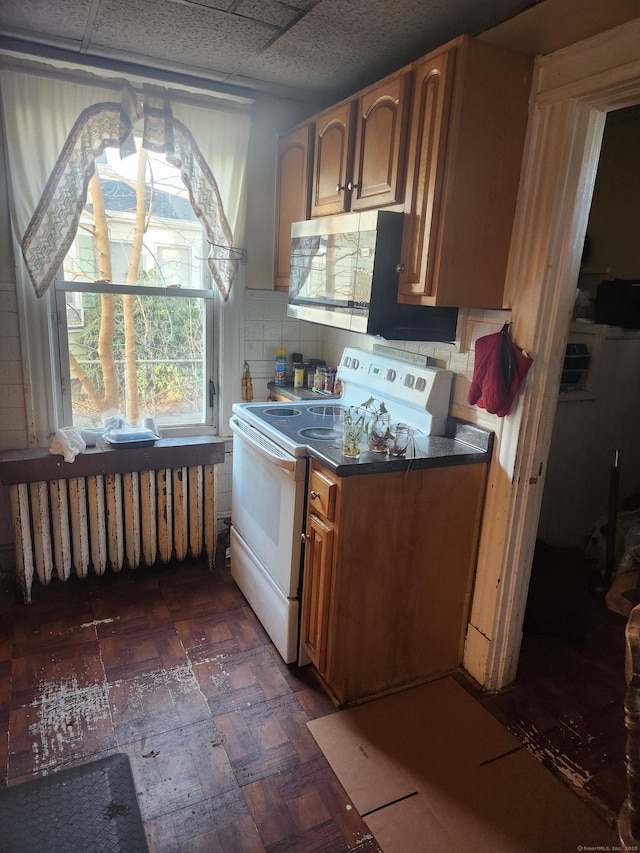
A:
(68, 442)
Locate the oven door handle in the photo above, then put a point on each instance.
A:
(263, 445)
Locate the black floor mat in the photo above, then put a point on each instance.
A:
(92, 807)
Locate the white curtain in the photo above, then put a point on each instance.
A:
(55, 126)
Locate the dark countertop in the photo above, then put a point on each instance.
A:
(463, 444)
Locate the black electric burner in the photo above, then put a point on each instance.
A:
(332, 411)
(284, 412)
(320, 433)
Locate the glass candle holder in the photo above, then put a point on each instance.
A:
(379, 433)
(401, 439)
(352, 432)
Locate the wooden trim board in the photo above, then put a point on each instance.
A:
(573, 89)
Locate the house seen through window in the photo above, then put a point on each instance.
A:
(136, 295)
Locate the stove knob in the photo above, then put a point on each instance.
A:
(391, 375)
(421, 384)
(347, 361)
(355, 363)
(409, 379)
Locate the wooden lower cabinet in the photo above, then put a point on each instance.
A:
(317, 590)
(389, 565)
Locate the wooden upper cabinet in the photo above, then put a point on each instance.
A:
(380, 144)
(293, 195)
(429, 125)
(333, 161)
(360, 150)
(442, 139)
(468, 124)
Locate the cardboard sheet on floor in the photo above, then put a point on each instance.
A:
(430, 769)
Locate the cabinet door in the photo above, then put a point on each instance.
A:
(333, 160)
(316, 599)
(293, 195)
(432, 91)
(381, 136)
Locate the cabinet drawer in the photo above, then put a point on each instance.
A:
(322, 495)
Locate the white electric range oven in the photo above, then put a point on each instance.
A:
(272, 443)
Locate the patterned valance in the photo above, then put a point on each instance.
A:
(54, 223)
(163, 134)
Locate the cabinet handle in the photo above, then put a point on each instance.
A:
(340, 187)
(305, 537)
(314, 495)
(351, 186)
(399, 267)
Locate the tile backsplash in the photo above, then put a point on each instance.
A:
(267, 328)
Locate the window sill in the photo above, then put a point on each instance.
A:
(39, 465)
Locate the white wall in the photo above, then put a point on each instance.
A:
(588, 430)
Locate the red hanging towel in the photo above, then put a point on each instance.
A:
(500, 369)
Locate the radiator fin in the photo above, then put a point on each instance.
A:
(61, 528)
(78, 512)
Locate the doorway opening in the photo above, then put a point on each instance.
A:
(568, 698)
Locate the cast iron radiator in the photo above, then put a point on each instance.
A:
(111, 508)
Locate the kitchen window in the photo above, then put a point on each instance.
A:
(182, 358)
(159, 289)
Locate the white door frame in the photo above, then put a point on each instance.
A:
(573, 90)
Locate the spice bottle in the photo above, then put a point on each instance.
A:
(311, 372)
(298, 375)
(329, 379)
(318, 379)
(281, 367)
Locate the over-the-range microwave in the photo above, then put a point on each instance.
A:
(344, 274)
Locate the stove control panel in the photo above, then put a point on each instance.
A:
(414, 389)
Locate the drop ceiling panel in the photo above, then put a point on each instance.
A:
(60, 18)
(166, 31)
(270, 11)
(308, 48)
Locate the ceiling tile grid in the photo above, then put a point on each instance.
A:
(308, 48)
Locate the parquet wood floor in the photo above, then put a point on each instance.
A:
(567, 702)
(172, 667)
